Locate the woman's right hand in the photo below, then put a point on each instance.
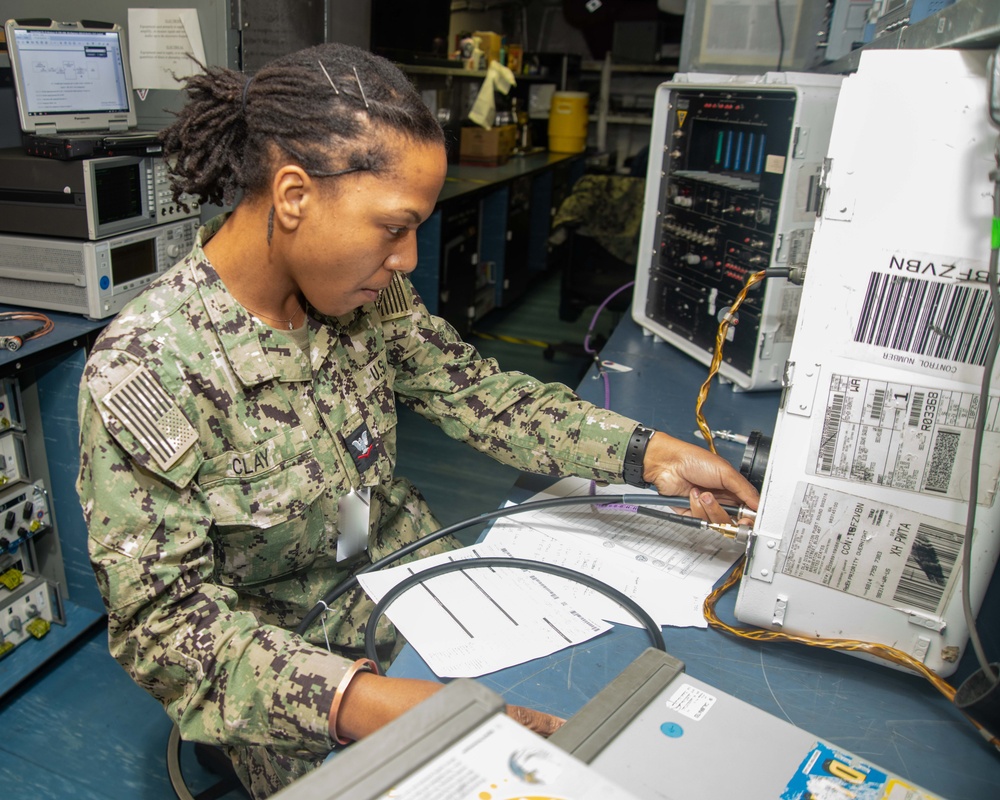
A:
(541, 723)
(371, 701)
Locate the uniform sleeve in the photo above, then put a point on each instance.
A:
(537, 427)
(221, 676)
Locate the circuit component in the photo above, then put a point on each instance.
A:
(740, 160)
(12, 578)
(10, 405)
(28, 612)
(24, 511)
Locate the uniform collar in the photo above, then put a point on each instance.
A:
(256, 354)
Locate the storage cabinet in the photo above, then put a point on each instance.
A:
(49, 596)
(488, 235)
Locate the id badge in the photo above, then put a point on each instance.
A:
(354, 514)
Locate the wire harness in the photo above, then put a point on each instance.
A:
(13, 342)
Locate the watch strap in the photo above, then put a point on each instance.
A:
(635, 454)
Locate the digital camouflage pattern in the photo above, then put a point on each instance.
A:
(214, 450)
(608, 209)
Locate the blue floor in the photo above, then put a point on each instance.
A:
(79, 728)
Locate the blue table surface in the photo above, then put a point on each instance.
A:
(68, 328)
(894, 719)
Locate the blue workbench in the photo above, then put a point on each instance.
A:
(894, 719)
(48, 369)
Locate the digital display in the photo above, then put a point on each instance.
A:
(71, 72)
(731, 148)
(130, 262)
(119, 192)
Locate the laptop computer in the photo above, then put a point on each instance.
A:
(74, 89)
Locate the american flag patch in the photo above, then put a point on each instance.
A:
(394, 300)
(149, 414)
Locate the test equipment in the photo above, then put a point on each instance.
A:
(30, 597)
(867, 491)
(89, 198)
(95, 279)
(733, 187)
(654, 732)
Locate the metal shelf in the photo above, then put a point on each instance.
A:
(624, 119)
(456, 72)
(969, 24)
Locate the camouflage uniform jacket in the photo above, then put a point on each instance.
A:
(213, 454)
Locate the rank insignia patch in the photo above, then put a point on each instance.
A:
(362, 446)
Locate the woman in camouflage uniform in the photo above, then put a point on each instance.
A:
(231, 414)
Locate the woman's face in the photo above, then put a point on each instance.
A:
(363, 228)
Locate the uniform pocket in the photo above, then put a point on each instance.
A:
(268, 507)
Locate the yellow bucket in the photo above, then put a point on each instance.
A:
(568, 122)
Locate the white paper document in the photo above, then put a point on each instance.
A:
(474, 622)
(668, 569)
(161, 42)
(471, 623)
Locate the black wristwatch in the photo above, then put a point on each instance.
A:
(634, 456)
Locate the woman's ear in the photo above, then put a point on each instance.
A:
(291, 191)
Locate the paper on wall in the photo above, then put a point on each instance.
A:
(162, 45)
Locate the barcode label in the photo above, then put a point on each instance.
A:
(928, 567)
(949, 321)
(896, 434)
(916, 409)
(831, 429)
(868, 548)
(878, 404)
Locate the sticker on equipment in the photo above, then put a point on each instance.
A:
(690, 701)
(899, 435)
(870, 549)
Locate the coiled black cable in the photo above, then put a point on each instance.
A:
(626, 602)
(537, 505)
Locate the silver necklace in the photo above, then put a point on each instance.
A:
(288, 321)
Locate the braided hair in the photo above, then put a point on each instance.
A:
(323, 107)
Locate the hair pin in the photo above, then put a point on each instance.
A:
(335, 89)
(362, 88)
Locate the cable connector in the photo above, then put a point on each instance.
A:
(738, 533)
(796, 275)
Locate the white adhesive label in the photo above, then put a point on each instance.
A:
(913, 438)
(692, 702)
(870, 549)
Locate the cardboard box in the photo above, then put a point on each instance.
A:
(515, 58)
(490, 43)
(487, 147)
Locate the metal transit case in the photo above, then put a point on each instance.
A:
(732, 188)
(654, 733)
(867, 489)
(664, 735)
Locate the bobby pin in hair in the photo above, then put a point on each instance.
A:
(362, 88)
(335, 89)
(246, 88)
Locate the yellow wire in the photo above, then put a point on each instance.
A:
(713, 368)
(884, 652)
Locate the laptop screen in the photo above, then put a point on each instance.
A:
(70, 78)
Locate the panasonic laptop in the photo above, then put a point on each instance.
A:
(74, 89)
